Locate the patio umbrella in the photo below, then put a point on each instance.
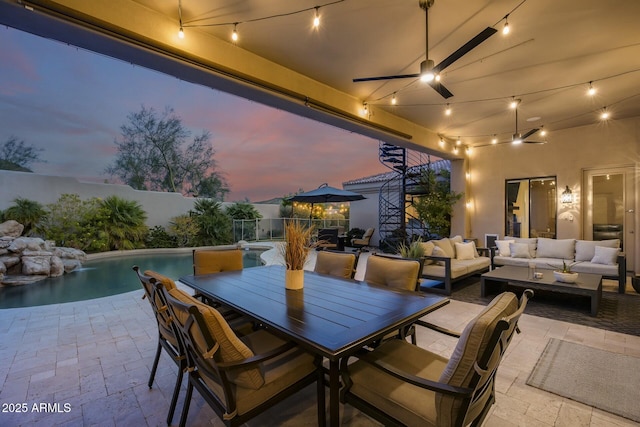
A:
(326, 194)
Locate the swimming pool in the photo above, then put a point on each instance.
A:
(104, 277)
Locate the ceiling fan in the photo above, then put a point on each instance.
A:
(428, 72)
(518, 138)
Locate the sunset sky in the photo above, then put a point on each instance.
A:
(71, 103)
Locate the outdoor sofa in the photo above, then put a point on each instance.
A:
(584, 256)
(449, 260)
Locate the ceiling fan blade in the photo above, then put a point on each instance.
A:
(466, 48)
(439, 87)
(528, 134)
(534, 142)
(400, 76)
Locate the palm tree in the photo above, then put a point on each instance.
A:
(214, 225)
(124, 223)
(27, 212)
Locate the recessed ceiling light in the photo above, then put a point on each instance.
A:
(533, 119)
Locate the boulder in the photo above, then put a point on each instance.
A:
(26, 243)
(36, 265)
(56, 267)
(11, 228)
(71, 264)
(70, 253)
(10, 261)
(3, 268)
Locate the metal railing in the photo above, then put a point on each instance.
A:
(266, 229)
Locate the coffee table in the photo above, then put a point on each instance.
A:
(587, 284)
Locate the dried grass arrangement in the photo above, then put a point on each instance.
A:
(297, 245)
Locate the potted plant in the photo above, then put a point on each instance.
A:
(415, 250)
(295, 250)
(565, 275)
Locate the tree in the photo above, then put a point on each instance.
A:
(154, 154)
(124, 223)
(16, 155)
(214, 225)
(436, 205)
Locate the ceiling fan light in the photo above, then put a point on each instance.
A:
(426, 71)
(516, 139)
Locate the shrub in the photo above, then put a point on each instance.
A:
(27, 212)
(183, 229)
(123, 222)
(247, 212)
(158, 237)
(214, 226)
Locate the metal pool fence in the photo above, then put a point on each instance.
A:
(266, 229)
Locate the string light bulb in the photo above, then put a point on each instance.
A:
(543, 132)
(441, 142)
(181, 30)
(458, 142)
(605, 114)
(494, 140)
(447, 110)
(393, 99)
(316, 18)
(365, 108)
(234, 35)
(455, 150)
(592, 90)
(506, 29)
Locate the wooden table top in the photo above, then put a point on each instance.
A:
(330, 316)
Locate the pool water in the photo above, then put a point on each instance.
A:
(104, 277)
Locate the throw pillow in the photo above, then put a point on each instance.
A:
(519, 250)
(438, 251)
(503, 247)
(465, 250)
(428, 251)
(446, 246)
(605, 255)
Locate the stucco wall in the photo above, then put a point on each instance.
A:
(160, 207)
(567, 154)
(364, 213)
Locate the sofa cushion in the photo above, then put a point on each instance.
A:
(519, 250)
(556, 248)
(592, 268)
(503, 247)
(427, 247)
(465, 250)
(446, 246)
(604, 255)
(585, 249)
(458, 269)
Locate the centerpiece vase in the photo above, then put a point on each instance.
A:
(294, 279)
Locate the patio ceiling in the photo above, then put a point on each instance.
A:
(554, 50)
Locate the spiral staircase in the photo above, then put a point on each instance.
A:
(396, 216)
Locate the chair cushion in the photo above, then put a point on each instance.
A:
(279, 372)
(232, 349)
(413, 406)
(335, 264)
(167, 282)
(393, 272)
(215, 261)
(472, 343)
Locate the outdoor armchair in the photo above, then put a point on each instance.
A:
(327, 238)
(238, 377)
(403, 384)
(364, 241)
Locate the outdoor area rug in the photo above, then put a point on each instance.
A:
(617, 312)
(598, 378)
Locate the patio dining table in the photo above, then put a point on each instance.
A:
(330, 316)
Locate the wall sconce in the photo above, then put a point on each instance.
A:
(567, 196)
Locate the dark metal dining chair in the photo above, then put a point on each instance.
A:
(167, 334)
(238, 377)
(400, 384)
